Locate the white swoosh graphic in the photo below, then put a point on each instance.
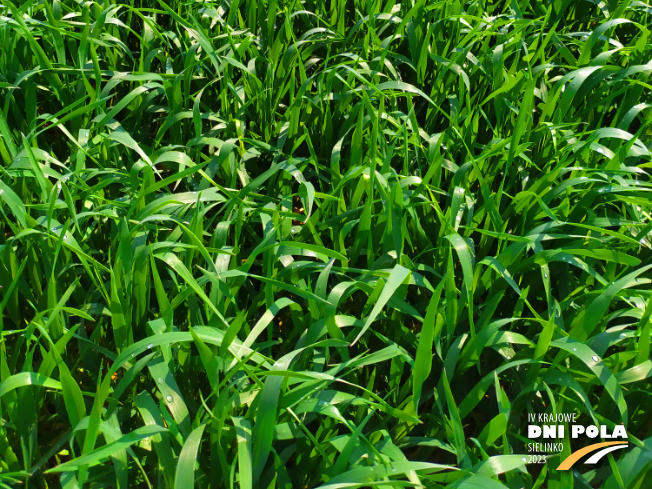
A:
(595, 458)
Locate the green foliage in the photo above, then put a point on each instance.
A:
(321, 244)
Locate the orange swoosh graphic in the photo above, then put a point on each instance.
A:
(568, 462)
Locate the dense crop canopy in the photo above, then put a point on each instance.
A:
(344, 243)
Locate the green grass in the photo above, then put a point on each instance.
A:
(348, 243)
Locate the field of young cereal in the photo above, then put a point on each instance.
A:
(324, 244)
